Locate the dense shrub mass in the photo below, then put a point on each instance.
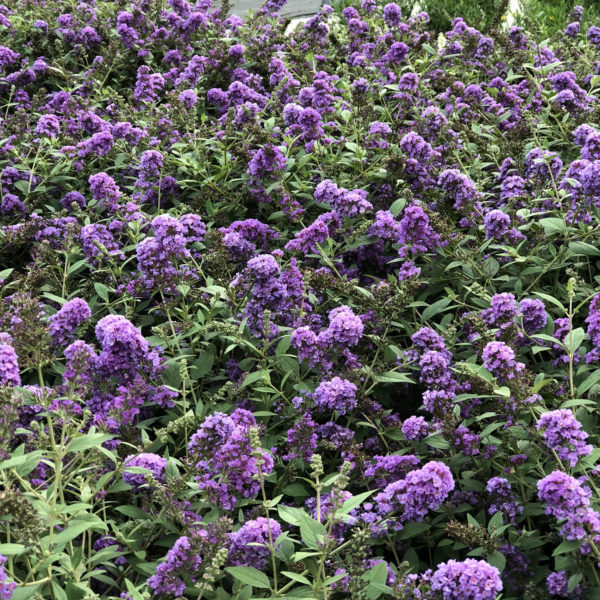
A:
(306, 316)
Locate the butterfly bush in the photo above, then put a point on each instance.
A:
(297, 314)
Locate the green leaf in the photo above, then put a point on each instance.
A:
(132, 511)
(479, 371)
(435, 308)
(311, 531)
(296, 577)
(24, 593)
(74, 529)
(553, 225)
(353, 502)
(393, 377)
(101, 290)
(412, 530)
(262, 375)
(202, 365)
(58, 592)
(296, 490)
(291, 514)
(574, 581)
(250, 576)
(377, 574)
(574, 338)
(583, 249)
(551, 300)
(496, 559)
(397, 206)
(589, 382)
(436, 441)
(12, 549)
(298, 556)
(89, 440)
(24, 461)
(490, 266)
(567, 546)
(496, 521)
(283, 345)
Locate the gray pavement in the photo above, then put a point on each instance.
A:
(294, 8)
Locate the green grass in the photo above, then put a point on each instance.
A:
(547, 19)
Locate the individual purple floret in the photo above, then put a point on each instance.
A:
(563, 433)
(468, 580)
(152, 462)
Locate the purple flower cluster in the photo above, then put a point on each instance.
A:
(390, 468)
(180, 561)
(150, 462)
(419, 492)
(346, 203)
(416, 428)
(63, 324)
(7, 587)
(502, 499)
(563, 494)
(469, 580)
(9, 365)
(345, 330)
(250, 544)
(224, 459)
(563, 433)
(124, 348)
(337, 394)
(499, 359)
(558, 582)
(159, 257)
